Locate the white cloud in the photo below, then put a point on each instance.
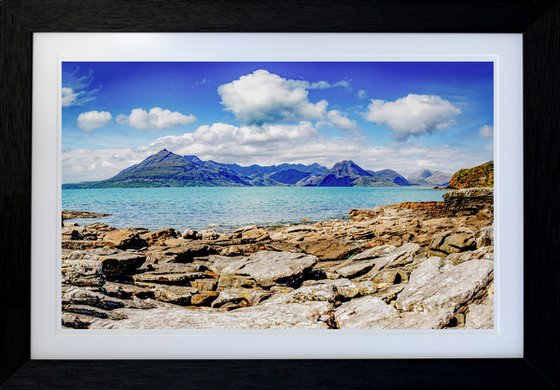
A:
(71, 97)
(341, 121)
(262, 97)
(362, 94)
(412, 114)
(91, 120)
(321, 84)
(155, 119)
(486, 131)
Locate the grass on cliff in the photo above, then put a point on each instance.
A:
(479, 176)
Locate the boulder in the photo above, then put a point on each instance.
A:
(254, 235)
(191, 234)
(204, 298)
(124, 239)
(158, 237)
(460, 240)
(485, 237)
(217, 263)
(484, 253)
(204, 284)
(452, 288)
(236, 281)
(177, 295)
(241, 250)
(72, 233)
(209, 235)
(363, 313)
(480, 316)
(268, 268)
(397, 257)
(82, 273)
(76, 321)
(120, 264)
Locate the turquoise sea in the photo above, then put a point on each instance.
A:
(228, 207)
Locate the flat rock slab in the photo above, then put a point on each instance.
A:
(113, 263)
(434, 319)
(453, 287)
(82, 273)
(124, 239)
(280, 316)
(363, 313)
(480, 316)
(355, 269)
(81, 296)
(268, 268)
(217, 263)
(345, 288)
(181, 279)
(372, 253)
(394, 258)
(126, 291)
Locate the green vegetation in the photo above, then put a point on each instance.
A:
(479, 176)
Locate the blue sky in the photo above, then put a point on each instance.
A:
(399, 115)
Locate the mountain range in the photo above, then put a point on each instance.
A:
(427, 177)
(167, 169)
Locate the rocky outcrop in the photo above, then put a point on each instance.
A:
(468, 201)
(406, 266)
(479, 176)
(68, 214)
(271, 268)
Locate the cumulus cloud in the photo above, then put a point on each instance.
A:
(155, 119)
(341, 121)
(262, 97)
(486, 131)
(91, 120)
(412, 114)
(362, 94)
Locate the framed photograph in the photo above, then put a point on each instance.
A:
(311, 195)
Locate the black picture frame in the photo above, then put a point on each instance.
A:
(537, 20)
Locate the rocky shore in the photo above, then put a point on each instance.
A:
(414, 265)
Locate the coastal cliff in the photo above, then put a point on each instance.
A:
(479, 176)
(409, 265)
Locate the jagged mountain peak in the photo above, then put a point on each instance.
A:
(348, 168)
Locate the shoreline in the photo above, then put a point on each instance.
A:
(367, 271)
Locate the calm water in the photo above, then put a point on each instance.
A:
(227, 207)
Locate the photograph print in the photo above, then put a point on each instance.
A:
(277, 195)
